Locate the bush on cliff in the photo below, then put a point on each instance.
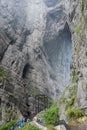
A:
(8, 125)
(51, 115)
(74, 113)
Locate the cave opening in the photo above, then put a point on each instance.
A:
(25, 70)
(59, 56)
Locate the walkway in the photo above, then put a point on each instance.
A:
(62, 127)
(59, 127)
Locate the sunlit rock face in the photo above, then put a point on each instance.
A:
(35, 47)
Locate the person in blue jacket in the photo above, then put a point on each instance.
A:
(20, 123)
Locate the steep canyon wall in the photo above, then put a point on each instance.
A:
(39, 39)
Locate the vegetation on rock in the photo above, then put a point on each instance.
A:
(74, 77)
(78, 28)
(70, 103)
(8, 125)
(50, 127)
(2, 73)
(68, 95)
(74, 113)
(82, 5)
(51, 115)
(29, 127)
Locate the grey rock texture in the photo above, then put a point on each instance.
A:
(77, 16)
(33, 29)
(37, 40)
(78, 25)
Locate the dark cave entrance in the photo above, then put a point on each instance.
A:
(25, 70)
(59, 55)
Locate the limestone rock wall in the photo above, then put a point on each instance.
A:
(77, 19)
(36, 46)
(29, 29)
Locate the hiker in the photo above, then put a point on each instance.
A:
(39, 120)
(20, 123)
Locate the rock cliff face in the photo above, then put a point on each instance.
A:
(77, 17)
(37, 41)
(79, 38)
(35, 31)
(35, 47)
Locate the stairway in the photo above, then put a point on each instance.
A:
(38, 125)
(59, 127)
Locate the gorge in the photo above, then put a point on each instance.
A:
(42, 50)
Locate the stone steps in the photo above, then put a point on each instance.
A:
(38, 125)
(59, 127)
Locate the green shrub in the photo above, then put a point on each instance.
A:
(29, 127)
(70, 102)
(50, 127)
(63, 98)
(78, 28)
(2, 73)
(74, 113)
(8, 125)
(69, 93)
(82, 5)
(51, 115)
(74, 77)
(73, 90)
